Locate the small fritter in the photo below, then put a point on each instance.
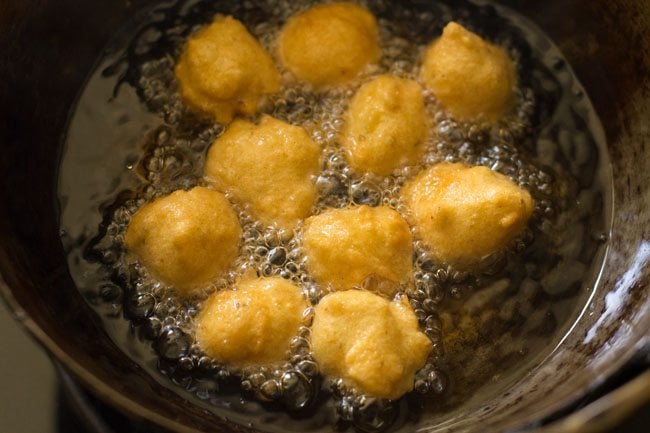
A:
(473, 79)
(270, 166)
(372, 343)
(186, 239)
(329, 44)
(252, 325)
(385, 126)
(466, 213)
(224, 71)
(360, 246)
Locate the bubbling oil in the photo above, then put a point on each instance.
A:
(481, 323)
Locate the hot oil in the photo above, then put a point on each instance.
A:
(131, 140)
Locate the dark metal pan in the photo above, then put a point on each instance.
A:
(48, 47)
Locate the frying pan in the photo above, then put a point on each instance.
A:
(48, 47)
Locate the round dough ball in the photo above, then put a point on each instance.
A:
(270, 166)
(466, 213)
(385, 125)
(329, 44)
(253, 324)
(473, 79)
(223, 71)
(186, 239)
(369, 341)
(362, 246)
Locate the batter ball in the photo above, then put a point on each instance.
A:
(270, 166)
(466, 213)
(385, 126)
(186, 239)
(329, 44)
(252, 325)
(359, 247)
(224, 71)
(369, 341)
(473, 79)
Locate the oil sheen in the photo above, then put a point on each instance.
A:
(131, 139)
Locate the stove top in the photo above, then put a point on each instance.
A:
(80, 411)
